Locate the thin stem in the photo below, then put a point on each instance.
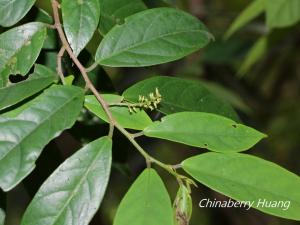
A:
(178, 166)
(59, 65)
(120, 104)
(50, 26)
(92, 67)
(134, 143)
(149, 159)
(113, 123)
(57, 24)
(136, 135)
(148, 163)
(127, 104)
(167, 168)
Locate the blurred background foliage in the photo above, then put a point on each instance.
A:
(256, 69)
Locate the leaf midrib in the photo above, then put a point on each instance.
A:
(150, 40)
(37, 127)
(9, 3)
(198, 133)
(147, 196)
(79, 183)
(242, 184)
(76, 44)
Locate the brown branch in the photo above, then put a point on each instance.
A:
(65, 43)
(59, 64)
(89, 84)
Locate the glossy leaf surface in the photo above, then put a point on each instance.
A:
(19, 48)
(37, 81)
(180, 95)
(11, 11)
(73, 193)
(147, 202)
(205, 130)
(135, 120)
(248, 178)
(115, 11)
(152, 37)
(22, 138)
(80, 19)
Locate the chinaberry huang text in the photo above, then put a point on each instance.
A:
(260, 203)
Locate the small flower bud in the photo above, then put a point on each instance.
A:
(183, 206)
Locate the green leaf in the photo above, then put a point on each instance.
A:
(258, 50)
(18, 109)
(136, 120)
(80, 20)
(147, 202)
(255, 8)
(69, 80)
(23, 138)
(180, 95)
(74, 191)
(43, 17)
(51, 41)
(205, 130)
(2, 217)
(12, 11)
(20, 48)
(248, 178)
(282, 13)
(152, 37)
(14, 93)
(115, 11)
